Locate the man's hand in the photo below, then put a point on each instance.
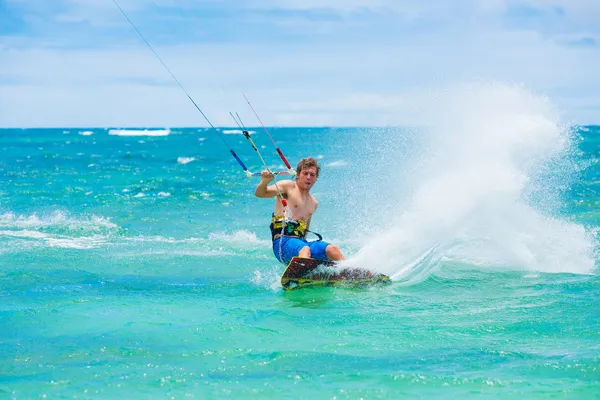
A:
(266, 176)
(263, 190)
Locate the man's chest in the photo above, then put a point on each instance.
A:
(300, 204)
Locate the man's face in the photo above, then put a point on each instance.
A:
(307, 178)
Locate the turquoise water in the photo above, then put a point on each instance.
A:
(140, 266)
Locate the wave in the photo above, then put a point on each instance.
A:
(26, 233)
(139, 132)
(181, 252)
(185, 160)
(235, 132)
(56, 230)
(242, 239)
(57, 221)
(27, 237)
(81, 243)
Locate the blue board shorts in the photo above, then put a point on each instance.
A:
(291, 246)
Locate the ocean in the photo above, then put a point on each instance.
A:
(136, 263)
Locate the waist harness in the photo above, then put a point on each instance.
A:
(290, 228)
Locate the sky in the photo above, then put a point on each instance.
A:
(79, 63)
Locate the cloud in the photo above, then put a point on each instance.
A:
(583, 42)
(78, 62)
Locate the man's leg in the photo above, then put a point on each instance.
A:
(324, 251)
(304, 252)
(288, 248)
(334, 253)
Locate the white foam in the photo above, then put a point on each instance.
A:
(185, 160)
(58, 229)
(164, 194)
(139, 132)
(192, 253)
(235, 132)
(53, 240)
(477, 187)
(86, 133)
(268, 279)
(82, 243)
(243, 239)
(24, 234)
(162, 239)
(57, 219)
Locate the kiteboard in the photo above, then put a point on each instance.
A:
(306, 272)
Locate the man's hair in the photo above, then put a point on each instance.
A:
(308, 162)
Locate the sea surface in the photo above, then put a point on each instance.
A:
(136, 263)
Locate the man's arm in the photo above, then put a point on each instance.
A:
(264, 192)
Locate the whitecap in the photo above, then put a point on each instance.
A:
(82, 243)
(139, 132)
(162, 239)
(242, 238)
(56, 219)
(236, 132)
(185, 160)
(25, 234)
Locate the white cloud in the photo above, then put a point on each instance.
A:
(358, 72)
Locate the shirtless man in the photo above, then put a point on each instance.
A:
(303, 205)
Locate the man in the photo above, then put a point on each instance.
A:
(289, 237)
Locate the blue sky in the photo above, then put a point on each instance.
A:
(301, 62)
